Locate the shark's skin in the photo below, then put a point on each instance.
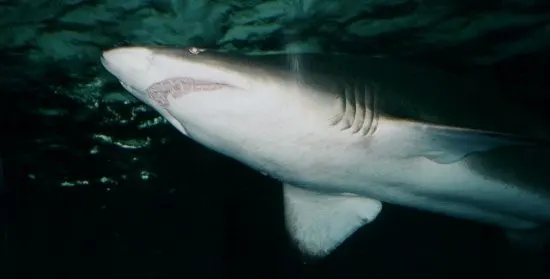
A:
(343, 133)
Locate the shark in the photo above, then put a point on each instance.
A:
(345, 134)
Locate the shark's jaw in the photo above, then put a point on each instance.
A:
(178, 87)
(157, 69)
(158, 79)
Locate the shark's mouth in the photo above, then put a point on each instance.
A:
(178, 87)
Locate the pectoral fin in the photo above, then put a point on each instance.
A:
(319, 222)
(447, 145)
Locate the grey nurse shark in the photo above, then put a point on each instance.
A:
(346, 133)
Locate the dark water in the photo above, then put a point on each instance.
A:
(203, 215)
(225, 221)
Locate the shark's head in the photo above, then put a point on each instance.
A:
(208, 92)
(183, 82)
(155, 74)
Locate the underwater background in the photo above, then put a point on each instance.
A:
(97, 185)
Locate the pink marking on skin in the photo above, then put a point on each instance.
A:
(178, 87)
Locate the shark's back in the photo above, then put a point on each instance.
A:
(413, 92)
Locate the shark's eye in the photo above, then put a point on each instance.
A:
(195, 50)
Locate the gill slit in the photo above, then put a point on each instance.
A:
(339, 117)
(359, 115)
(351, 107)
(358, 110)
(371, 91)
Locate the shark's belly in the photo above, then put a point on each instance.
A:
(451, 189)
(457, 191)
(332, 161)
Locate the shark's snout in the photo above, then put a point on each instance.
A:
(136, 59)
